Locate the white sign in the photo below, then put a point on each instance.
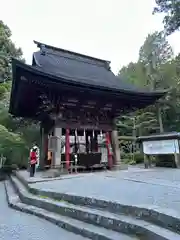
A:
(161, 147)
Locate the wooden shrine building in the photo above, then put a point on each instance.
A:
(72, 94)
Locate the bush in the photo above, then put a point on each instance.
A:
(7, 169)
(128, 158)
(138, 157)
(22, 163)
(129, 161)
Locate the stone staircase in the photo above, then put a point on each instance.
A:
(92, 218)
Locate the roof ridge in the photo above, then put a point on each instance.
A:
(71, 52)
(79, 60)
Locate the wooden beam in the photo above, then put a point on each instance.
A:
(127, 138)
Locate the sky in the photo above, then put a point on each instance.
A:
(112, 30)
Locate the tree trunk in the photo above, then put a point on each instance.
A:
(160, 120)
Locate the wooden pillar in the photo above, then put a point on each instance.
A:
(43, 147)
(41, 159)
(87, 141)
(46, 142)
(57, 154)
(109, 151)
(91, 142)
(96, 140)
(177, 160)
(67, 147)
(146, 161)
(116, 150)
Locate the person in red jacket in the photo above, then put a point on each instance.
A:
(33, 162)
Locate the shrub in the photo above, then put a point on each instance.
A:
(7, 169)
(128, 158)
(138, 157)
(129, 161)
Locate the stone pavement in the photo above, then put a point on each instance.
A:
(39, 177)
(15, 225)
(157, 186)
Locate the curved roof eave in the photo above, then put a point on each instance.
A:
(37, 70)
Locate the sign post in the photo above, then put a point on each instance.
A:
(162, 146)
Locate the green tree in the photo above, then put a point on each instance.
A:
(172, 115)
(139, 123)
(155, 52)
(11, 144)
(134, 73)
(159, 70)
(16, 134)
(171, 9)
(7, 51)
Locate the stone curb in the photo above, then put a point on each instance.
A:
(121, 224)
(152, 215)
(14, 202)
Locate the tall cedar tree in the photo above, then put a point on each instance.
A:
(171, 9)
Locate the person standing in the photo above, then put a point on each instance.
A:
(33, 161)
(37, 154)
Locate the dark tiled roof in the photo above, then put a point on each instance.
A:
(79, 68)
(74, 55)
(160, 136)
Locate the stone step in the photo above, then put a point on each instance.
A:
(112, 221)
(166, 218)
(88, 231)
